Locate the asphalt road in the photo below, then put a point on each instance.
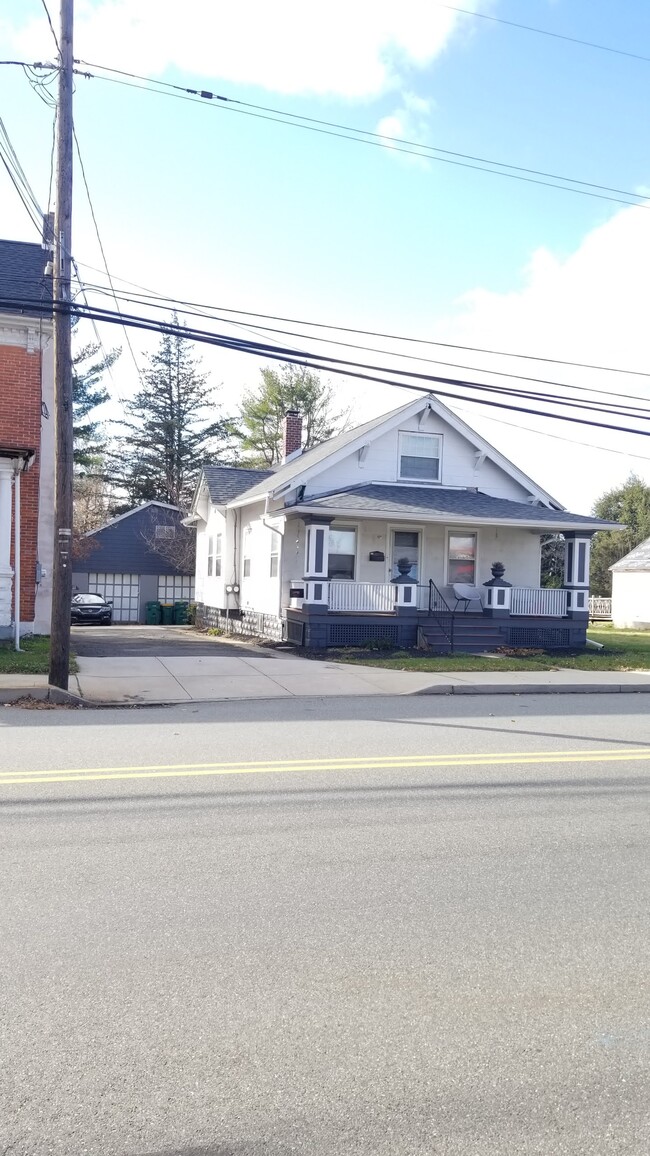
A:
(433, 938)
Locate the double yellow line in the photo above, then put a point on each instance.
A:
(318, 766)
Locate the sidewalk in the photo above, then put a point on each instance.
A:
(133, 681)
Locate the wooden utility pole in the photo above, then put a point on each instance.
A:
(62, 570)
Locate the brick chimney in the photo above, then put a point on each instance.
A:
(291, 434)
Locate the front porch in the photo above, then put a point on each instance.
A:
(408, 615)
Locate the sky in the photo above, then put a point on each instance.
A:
(202, 201)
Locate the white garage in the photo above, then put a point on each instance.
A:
(123, 590)
(631, 589)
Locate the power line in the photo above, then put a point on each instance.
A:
(556, 437)
(147, 296)
(49, 20)
(333, 365)
(404, 356)
(365, 136)
(101, 245)
(547, 32)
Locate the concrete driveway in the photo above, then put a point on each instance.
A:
(119, 641)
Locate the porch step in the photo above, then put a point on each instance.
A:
(473, 639)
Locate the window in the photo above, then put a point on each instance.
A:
(342, 553)
(210, 555)
(419, 457)
(165, 532)
(405, 548)
(275, 555)
(217, 556)
(247, 567)
(461, 565)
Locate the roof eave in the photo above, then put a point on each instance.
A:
(448, 518)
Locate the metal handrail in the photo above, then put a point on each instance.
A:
(440, 609)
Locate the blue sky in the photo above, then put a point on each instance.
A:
(205, 203)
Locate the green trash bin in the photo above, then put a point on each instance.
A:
(153, 616)
(180, 613)
(167, 613)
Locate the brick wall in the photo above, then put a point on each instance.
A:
(20, 425)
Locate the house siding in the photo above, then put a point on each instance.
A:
(631, 599)
(381, 464)
(121, 547)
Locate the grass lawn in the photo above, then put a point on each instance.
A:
(624, 650)
(33, 659)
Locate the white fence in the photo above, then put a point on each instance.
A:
(545, 603)
(600, 608)
(377, 597)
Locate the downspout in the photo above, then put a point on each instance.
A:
(17, 559)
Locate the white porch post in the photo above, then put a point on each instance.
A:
(576, 574)
(6, 572)
(316, 561)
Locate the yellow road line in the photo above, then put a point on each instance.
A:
(380, 762)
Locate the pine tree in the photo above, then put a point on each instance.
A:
(89, 365)
(172, 431)
(262, 413)
(629, 504)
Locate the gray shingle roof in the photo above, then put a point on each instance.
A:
(432, 501)
(226, 483)
(637, 559)
(22, 275)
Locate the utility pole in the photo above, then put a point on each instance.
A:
(62, 569)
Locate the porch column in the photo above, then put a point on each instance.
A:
(316, 561)
(576, 573)
(6, 572)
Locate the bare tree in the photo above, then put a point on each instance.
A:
(175, 543)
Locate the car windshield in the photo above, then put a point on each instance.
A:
(88, 600)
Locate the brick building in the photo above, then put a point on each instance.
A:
(26, 439)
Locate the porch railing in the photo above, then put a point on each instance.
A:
(363, 597)
(539, 601)
(600, 608)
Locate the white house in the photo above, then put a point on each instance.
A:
(366, 536)
(631, 589)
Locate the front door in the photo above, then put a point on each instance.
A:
(405, 547)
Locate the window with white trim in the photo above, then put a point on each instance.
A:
(210, 556)
(274, 567)
(342, 552)
(165, 532)
(217, 555)
(419, 457)
(461, 559)
(246, 551)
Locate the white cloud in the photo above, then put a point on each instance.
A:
(354, 50)
(408, 122)
(589, 307)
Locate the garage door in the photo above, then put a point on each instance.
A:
(123, 590)
(176, 588)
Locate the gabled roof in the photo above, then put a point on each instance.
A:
(129, 514)
(22, 276)
(438, 503)
(225, 483)
(327, 453)
(637, 559)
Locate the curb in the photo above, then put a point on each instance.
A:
(532, 688)
(51, 694)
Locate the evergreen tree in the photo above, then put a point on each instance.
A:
(172, 431)
(630, 504)
(262, 413)
(88, 391)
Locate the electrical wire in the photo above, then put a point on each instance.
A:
(101, 245)
(362, 136)
(49, 20)
(547, 32)
(556, 437)
(387, 352)
(331, 365)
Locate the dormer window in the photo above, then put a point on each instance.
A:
(419, 457)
